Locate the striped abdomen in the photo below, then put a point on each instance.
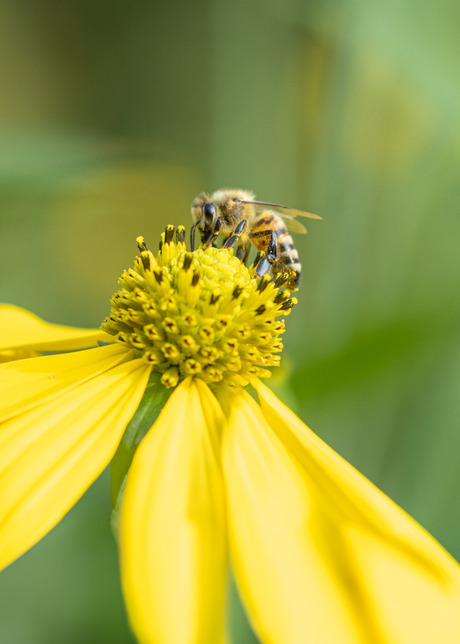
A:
(287, 255)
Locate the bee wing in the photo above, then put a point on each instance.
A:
(290, 212)
(292, 224)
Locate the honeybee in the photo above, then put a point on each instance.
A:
(236, 214)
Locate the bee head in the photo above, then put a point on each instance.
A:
(229, 205)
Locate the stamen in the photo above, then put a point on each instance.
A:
(141, 243)
(152, 332)
(237, 292)
(281, 279)
(145, 256)
(192, 367)
(170, 351)
(190, 320)
(263, 283)
(153, 357)
(188, 344)
(169, 234)
(170, 378)
(188, 261)
(281, 297)
(170, 326)
(180, 235)
(158, 275)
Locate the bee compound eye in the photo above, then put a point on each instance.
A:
(209, 210)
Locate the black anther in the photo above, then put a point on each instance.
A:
(286, 305)
(281, 297)
(187, 261)
(237, 292)
(169, 234)
(145, 260)
(281, 279)
(263, 283)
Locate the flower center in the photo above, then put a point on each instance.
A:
(199, 313)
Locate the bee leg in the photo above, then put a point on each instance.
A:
(192, 236)
(214, 234)
(242, 253)
(231, 241)
(265, 263)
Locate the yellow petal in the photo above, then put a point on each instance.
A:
(51, 454)
(395, 582)
(172, 525)
(285, 584)
(21, 330)
(27, 383)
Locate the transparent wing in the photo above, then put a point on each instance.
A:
(292, 224)
(285, 210)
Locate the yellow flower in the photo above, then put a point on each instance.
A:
(319, 554)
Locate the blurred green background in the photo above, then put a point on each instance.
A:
(115, 115)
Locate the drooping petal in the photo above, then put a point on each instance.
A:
(320, 553)
(21, 330)
(27, 383)
(286, 586)
(172, 525)
(51, 454)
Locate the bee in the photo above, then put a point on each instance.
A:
(236, 215)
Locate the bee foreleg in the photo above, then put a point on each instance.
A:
(214, 234)
(270, 256)
(192, 236)
(231, 241)
(242, 253)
